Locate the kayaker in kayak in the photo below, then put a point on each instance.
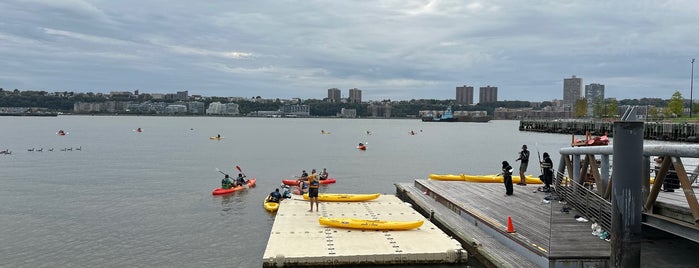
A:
(324, 174)
(226, 182)
(275, 196)
(241, 179)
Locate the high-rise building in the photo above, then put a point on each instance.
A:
(334, 95)
(593, 93)
(464, 95)
(487, 94)
(572, 92)
(182, 95)
(355, 95)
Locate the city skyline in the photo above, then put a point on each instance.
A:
(398, 50)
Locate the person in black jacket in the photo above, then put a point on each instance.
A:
(547, 172)
(507, 174)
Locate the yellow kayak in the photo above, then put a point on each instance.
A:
(369, 224)
(483, 178)
(270, 206)
(344, 197)
(215, 138)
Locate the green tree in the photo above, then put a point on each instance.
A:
(676, 104)
(580, 108)
(611, 108)
(598, 108)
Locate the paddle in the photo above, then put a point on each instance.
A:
(221, 171)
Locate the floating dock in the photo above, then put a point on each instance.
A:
(298, 240)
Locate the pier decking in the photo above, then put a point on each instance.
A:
(545, 235)
(297, 239)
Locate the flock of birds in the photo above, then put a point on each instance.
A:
(67, 149)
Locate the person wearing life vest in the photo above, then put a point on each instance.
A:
(241, 179)
(313, 183)
(275, 196)
(324, 174)
(226, 182)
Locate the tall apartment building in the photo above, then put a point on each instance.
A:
(182, 95)
(334, 95)
(593, 92)
(487, 94)
(572, 92)
(355, 95)
(464, 95)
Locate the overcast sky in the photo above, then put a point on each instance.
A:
(390, 49)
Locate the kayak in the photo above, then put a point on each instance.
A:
(219, 191)
(344, 197)
(483, 178)
(363, 148)
(215, 138)
(369, 224)
(270, 206)
(294, 182)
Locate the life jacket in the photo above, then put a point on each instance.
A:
(313, 180)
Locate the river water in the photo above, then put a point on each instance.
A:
(120, 198)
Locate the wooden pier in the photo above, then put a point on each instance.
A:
(685, 132)
(298, 240)
(545, 234)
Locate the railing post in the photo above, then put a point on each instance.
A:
(604, 173)
(626, 194)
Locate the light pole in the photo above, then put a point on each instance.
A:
(691, 89)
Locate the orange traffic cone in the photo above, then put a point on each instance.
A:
(510, 228)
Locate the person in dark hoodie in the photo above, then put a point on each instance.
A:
(507, 174)
(547, 172)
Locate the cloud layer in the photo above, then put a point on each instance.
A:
(398, 50)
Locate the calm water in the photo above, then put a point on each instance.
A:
(144, 199)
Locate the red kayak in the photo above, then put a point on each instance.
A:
(220, 191)
(294, 182)
(363, 148)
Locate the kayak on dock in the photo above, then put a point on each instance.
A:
(369, 224)
(345, 197)
(483, 178)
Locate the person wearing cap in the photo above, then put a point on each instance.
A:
(524, 162)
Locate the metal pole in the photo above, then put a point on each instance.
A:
(626, 194)
(691, 89)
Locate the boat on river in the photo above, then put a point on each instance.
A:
(461, 116)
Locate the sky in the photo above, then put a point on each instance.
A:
(390, 49)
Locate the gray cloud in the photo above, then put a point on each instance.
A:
(389, 49)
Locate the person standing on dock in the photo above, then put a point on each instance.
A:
(547, 172)
(524, 162)
(313, 190)
(507, 174)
